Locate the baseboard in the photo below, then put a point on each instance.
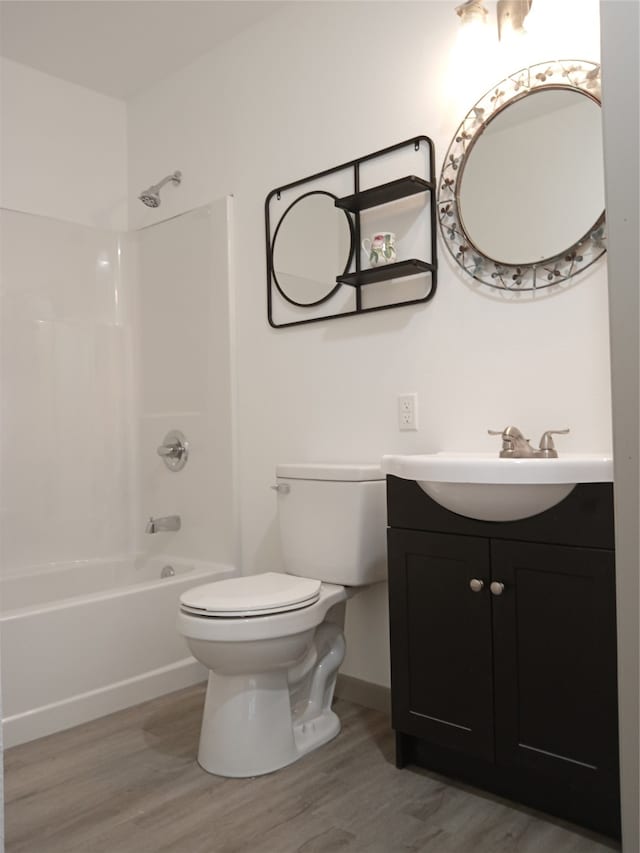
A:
(83, 707)
(364, 693)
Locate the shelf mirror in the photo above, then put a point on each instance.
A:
(521, 195)
(312, 244)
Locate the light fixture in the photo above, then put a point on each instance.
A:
(511, 15)
(472, 11)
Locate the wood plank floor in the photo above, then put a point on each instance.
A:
(129, 783)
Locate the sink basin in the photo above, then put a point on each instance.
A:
(485, 487)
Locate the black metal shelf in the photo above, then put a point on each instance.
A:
(383, 194)
(351, 206)
(402, 269)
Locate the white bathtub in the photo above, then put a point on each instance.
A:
(82, 640)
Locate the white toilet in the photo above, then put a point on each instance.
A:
(273, 642)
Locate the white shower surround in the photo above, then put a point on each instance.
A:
(102, 354)
(84, 639)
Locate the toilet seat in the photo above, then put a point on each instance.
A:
(252, 595)
(197, 625)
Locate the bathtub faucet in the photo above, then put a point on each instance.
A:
(157, 525)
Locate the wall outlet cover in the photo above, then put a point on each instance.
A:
(408, 411)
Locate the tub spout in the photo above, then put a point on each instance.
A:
(157, 525)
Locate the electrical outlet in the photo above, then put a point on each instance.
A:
(408, 411)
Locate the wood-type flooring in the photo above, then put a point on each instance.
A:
(129, 783)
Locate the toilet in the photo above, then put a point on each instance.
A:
(273, 642)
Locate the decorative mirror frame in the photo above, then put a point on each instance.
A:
(566, 74)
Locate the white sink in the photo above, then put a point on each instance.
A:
(485, 487)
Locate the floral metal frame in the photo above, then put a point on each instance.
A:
(569, 74)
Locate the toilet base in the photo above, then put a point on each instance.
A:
(314, 733)
(248, 728)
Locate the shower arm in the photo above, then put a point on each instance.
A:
(175, 178)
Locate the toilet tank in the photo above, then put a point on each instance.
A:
(333, 522)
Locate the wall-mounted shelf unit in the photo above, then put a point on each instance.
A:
(401, 269)
(311, 254)
(391, 191)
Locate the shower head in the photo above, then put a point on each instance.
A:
(151, 197)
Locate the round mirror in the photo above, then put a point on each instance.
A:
(312, 244)
(521, 196)
(533, 181)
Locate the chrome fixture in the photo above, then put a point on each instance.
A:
(167, 572)
(516, 446)
(151, 197)
(282, 488)
(174, 450)
(476, 585)
(497, 588)
(163, 525)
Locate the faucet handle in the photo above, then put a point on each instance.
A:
(514, 444)
(508, 431)
(507, 439)
(547, 446)
(174, 450)
(510, 435)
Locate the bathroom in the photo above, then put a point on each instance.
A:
(169, 346)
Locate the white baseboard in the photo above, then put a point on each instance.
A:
(83, 707)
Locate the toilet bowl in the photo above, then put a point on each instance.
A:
(273, 642)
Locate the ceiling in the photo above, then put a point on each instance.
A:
(120, 47)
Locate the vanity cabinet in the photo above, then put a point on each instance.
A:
(503, 650)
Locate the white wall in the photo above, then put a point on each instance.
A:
(621, 75)
(312, 87)
(63, 149)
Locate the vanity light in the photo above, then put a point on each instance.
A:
(472, 11)
(511, 15)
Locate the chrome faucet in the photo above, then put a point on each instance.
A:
(158, 525)
(516, 446)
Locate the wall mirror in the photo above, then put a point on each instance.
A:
(312, 244)
(521, 194)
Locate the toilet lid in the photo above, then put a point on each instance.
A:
(252, 595)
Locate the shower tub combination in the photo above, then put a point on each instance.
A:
(82, 640)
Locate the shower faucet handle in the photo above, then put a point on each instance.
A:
(174, 450)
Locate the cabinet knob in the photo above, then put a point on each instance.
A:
(476, 585)
(496, 588)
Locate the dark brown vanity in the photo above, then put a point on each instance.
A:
(503, 650)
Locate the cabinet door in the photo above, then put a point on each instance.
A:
(555, 662)
(441, 663)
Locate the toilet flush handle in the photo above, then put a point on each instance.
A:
(282, 488)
